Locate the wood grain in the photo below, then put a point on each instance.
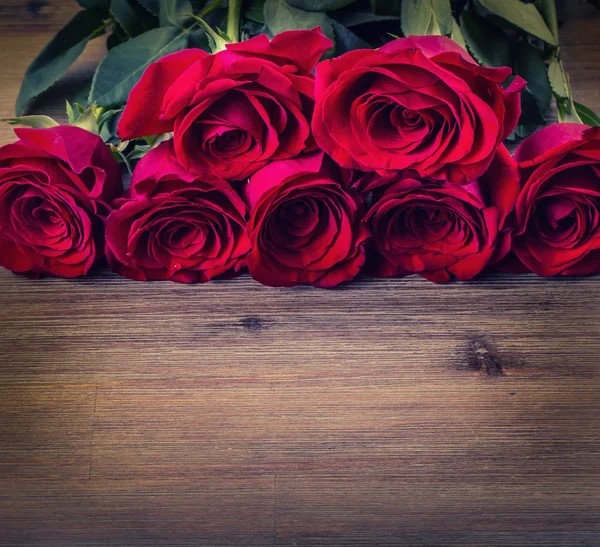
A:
(386, 412)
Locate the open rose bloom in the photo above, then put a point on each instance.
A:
(557, 215)
(56, 185)
(439, 229)
(420, 103)
(305, 224)
(174, 225)
(234, 111)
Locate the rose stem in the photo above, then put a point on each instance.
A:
(233, 20)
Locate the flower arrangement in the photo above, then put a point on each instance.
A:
(305, 143)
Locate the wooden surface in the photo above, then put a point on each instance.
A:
(385, 412)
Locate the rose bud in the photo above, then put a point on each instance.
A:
(557, 216)
(439, 229)
(234, 111)
(55, 186)
(304, 224)
(174, 225)
(419, 103)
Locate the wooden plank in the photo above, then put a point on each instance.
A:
(483, 408)
(453, 510)
(466, 428)
(45, 432)
(236, 331)
(141, 512)
(36, 16)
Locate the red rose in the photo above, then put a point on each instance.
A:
(440, 229)
(557, 216)
(419, 103)
(55, 185)
(174, 225)
(304, 225)
(234, 111)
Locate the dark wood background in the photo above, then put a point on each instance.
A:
(384, 412)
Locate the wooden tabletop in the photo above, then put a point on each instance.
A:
(383, 412)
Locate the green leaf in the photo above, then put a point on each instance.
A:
(416, 17)
(152, 6)
(346, 40)
(175, 12)
(132, 17)
(487, 43)
(155, 140)
(107, 123)
(122, 68)
(457, 35)
(561, 88)
(571, 114)
(198, 39)
(522, 131)
(70, 113)
(254, 11)
(547, 9)
(530, 65)
(556, 79)
(562, 104)
(355, 18)
(320, 5)
(37, 122)
(117, 36)
(530, 110)
(442, 20)
(59, 55)
(81, 92)
(567, 112)
(425, 17)
(525, 16)
(587, 115)
(386, 7)
(280, 16)
(109, 115)
(138, 152)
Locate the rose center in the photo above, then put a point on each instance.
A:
(301, 214)
(177, 236)
(230, 140)
(420, 224)
(558, 218)
(297, 222)
(392, 125)
(410, 117)
(45, 216)
(37, 219)
(436, 216)
(181, 236)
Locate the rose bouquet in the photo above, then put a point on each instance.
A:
(305, 143)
